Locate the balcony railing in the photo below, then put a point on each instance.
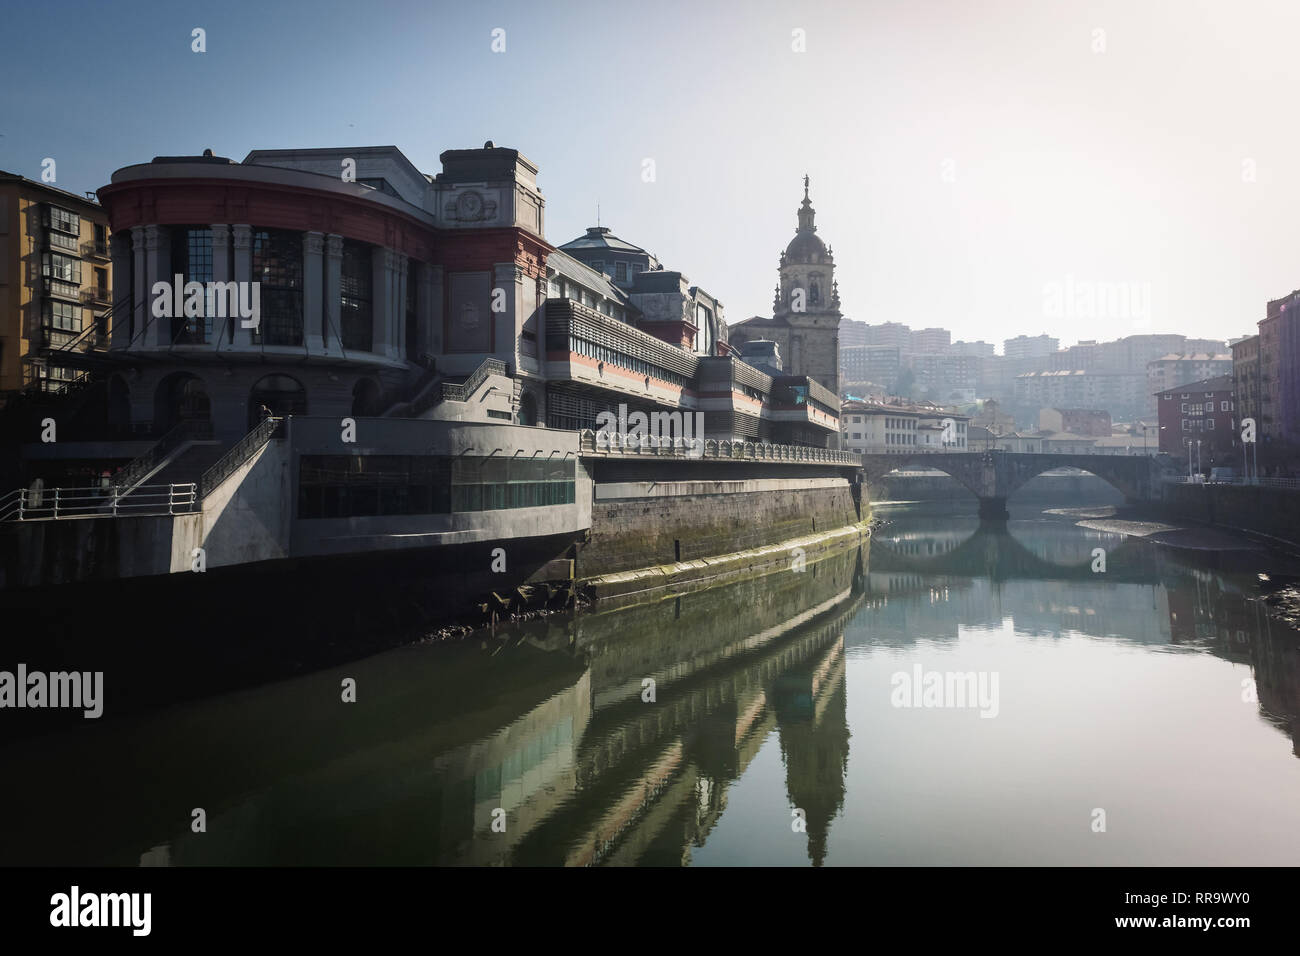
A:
(712, 448)
(95, 295)
(95, 249)
(463, 392)
(52, 504)
(1290, 483)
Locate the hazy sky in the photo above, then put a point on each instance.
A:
(969, 158)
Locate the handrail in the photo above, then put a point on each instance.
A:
(1239, 481)
(239, 453)
(615, 444)
(139, 469)
(54, 504)
(466, 389)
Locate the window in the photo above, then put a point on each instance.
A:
(63, 220)
(1210, 424)
(277, 266)
(620, 271)
(191, 248)
(1184, 408)
(101, 238)
(1166, 397)
(637, 267)
(62, 321)
(341, 486)
(57, 266)
(357, 288)
(1187, 426)
(598, 265)
(1223, 406)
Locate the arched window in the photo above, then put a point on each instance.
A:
(277, 395)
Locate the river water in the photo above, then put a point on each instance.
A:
(1062, 713)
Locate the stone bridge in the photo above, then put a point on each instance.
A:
(994, 476)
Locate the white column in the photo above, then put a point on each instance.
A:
(313, 305)
(243, 273)
(424, 292)
(158, 260)
(119, 244)
(399, 323)
(143, 299)
(506, 276)
(383, 264)
(431, 310)
(221, 272)
(333, 292)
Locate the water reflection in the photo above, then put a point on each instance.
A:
(542, 746)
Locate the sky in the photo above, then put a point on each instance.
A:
(996, 167)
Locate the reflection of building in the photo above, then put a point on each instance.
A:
(810, 701)
(54, 282)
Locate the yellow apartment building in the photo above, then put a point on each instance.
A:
(55, 282)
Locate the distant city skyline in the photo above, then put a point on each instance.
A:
(990, 169)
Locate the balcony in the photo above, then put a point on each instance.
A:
(95, 296)
(94, 249)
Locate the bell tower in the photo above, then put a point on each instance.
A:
(807, 300)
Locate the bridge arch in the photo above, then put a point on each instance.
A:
(994, 476)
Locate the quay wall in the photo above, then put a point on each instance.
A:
(639, 524)
(1270, 512)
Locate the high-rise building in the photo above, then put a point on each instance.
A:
(979, 349)
(1170, 371)
(930, 341)
(1025, 346)
(1246, 380)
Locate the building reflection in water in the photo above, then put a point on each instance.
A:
(537, 747)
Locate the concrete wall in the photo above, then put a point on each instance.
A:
(640, 524)
(1274, 512)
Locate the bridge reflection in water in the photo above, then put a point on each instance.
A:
(544, 727)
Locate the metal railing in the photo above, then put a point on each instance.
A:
(139, 469)
(712, 448)
(1292, 483)
(240, 452)
(52, 504)
(466, 389)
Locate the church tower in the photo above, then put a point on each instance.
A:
(808, 302)
(805, 322)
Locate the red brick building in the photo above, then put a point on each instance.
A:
(1202, 412)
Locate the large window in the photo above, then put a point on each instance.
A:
(343, 486)
(66, 221)
(57, 266)
(62, 321)
(192, 259)
(356, 309)
(277, 265)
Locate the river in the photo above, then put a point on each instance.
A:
(1045, 693)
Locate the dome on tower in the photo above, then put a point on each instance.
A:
(805, 247)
